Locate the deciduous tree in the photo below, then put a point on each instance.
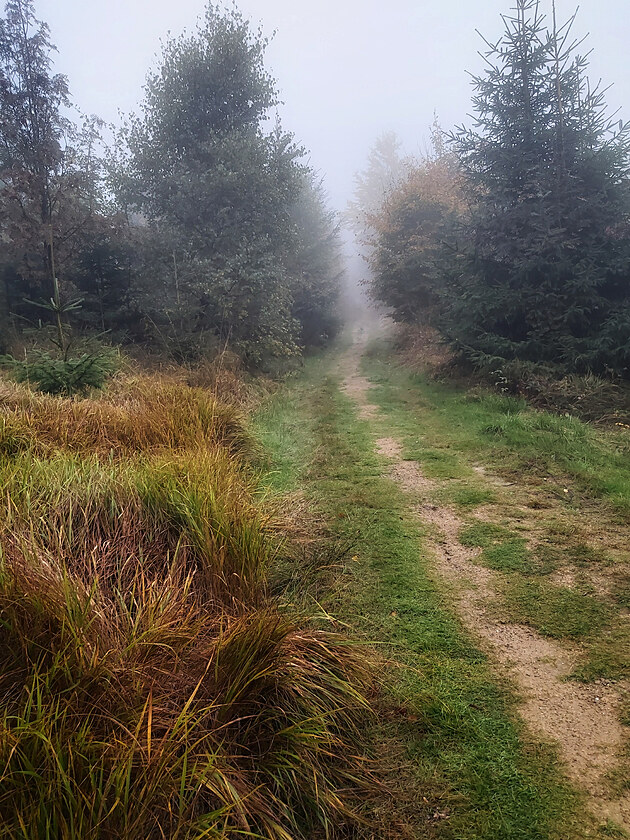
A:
(411, 245)
(204, 169)
(48, 171)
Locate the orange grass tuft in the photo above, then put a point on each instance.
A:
(151, 687)
(151, 416)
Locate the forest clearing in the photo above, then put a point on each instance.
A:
(401, 560)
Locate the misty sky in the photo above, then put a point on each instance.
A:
(346, 69)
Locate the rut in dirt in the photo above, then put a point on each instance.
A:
(581, 720)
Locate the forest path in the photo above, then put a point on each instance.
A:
(581, 719)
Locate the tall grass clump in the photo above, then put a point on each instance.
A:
(151, 687)
(194, 511)
(144, 414)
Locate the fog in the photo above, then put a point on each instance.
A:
(347, 70)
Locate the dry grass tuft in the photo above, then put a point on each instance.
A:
(152, 688)
(147, 415)
(423, 349)
(223, 375)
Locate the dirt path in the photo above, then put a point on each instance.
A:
(583, 720)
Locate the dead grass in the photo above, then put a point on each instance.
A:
(151, 685)
(423, 350)
(141, 414)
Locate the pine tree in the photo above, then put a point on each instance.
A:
(544, 269)
(49, 176)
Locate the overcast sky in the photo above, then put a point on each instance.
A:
(347, 70)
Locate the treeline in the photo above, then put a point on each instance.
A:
(512, 237)
(202, 228)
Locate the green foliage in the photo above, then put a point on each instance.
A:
(384, 170)
(105, 277)
(525, 257)
(545, 256)
(232, 242)
(225, 198)
(65, 376)
(407, 263)
(315, 266)
(49, 174)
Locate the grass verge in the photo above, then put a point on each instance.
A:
(151, 686)
(578, 475)
(447, 429)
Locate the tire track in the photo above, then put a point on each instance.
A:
(581, 720)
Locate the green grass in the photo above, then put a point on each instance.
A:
(501, 550)
(509, 556)
(471, 497)
(580, 472)
(466, 757)
(575, 614)
(285, 438)
(483, 535)
(556, 611)
(447, 428)
(608, 657)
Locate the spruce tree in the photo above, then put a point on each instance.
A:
(544, 267)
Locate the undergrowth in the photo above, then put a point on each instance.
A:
(590, 397)
(152, 687)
